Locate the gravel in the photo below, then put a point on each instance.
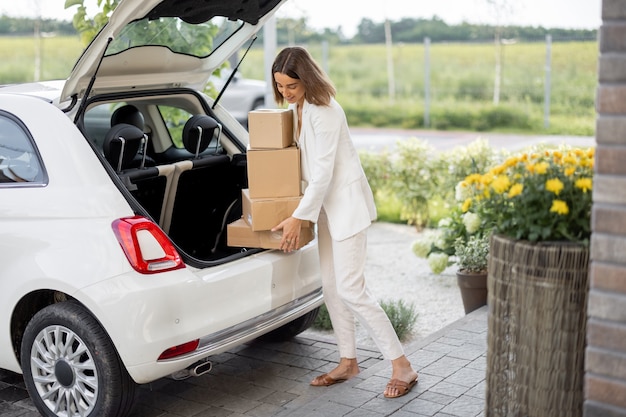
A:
(394, 273)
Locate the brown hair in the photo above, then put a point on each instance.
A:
(297, 63)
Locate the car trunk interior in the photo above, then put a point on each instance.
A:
(171, 160)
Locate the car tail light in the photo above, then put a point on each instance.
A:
(146, 246)
(180, 350)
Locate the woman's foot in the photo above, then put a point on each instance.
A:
(403, 378)
(346, 369)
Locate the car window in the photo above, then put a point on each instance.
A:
(175, 119)
(198, 40)
(19, 160)
(97, 122)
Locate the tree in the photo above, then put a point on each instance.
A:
(500, 8)
(88, 28)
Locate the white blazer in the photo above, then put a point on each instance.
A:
(332, 173)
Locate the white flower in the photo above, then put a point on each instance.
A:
(462, 192)
(438, 262)
(440, 240)
(471, 222)
(421, 247)
(443, 223)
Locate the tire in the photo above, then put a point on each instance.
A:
(71, 367)
(258, 103)
(292, 329)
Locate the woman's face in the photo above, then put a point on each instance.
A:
(291, 89)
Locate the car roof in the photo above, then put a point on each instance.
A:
(132, 51)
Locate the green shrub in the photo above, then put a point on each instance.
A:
(416, 184)
(412, 179)
(322, 321)
(402, 317)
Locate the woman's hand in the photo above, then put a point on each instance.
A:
(291, 233)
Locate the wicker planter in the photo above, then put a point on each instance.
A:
(473, 286)
(536, 330)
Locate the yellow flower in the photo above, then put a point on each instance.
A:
(501, 184)
(554, 185)
(466, 205)
(584, 184)
(498, 170)
(570, 159)
(511, 162)
(559, 207)
(516, 189)
(473, 179)
(570, 171)
(541, 167)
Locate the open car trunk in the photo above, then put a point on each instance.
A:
(177, 163)
(177, 158)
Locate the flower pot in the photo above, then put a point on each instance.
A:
(473, 286)
(536, 328)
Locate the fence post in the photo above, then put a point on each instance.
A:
(426, 82)
(325, 64)
(391, 83)
(547, 86)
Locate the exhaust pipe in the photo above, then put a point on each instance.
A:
(200, 368)
(197, 369)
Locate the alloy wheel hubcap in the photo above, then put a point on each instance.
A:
(64, 372)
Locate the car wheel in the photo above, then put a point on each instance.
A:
(259, 103)
(291, 329)
(70, 366)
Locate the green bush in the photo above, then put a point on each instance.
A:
(322, 321)
(416, 183)
(412, 179)
(402, 317)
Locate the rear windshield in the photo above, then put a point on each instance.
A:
(191, 39)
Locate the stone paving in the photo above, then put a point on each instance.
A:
(272, 379)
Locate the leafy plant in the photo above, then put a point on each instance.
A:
(87, 27)
(472, 255)
(322, 321)
(413, 179)
(402, 317)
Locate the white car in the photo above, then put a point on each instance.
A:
(241, 96)
(116, 186)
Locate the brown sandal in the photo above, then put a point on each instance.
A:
(402, 387)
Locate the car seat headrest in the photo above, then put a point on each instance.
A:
(121, 144)
(128, 114)
(198, 132)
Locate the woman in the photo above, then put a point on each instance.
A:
(339, 199)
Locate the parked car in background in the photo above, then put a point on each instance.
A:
(116, 186)
(242, 94)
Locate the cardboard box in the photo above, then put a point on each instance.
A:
(270, 128)
(265, 213)
(274, 172)
(239, 234)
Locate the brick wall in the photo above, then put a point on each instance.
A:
(605, 361)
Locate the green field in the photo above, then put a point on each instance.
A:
(461, 82)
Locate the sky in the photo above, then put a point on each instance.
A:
(347, 14)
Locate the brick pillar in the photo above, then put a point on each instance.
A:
(605, 360)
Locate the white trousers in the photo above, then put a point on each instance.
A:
(347, 296)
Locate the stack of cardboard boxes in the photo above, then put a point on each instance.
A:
(274, 179)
